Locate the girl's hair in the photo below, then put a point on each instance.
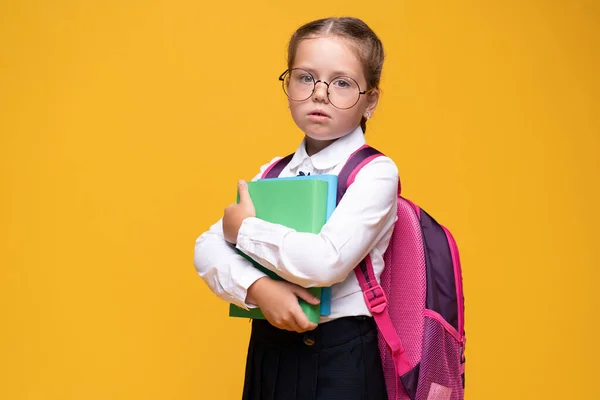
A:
(369, 48)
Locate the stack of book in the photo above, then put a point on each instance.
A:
(302, 203)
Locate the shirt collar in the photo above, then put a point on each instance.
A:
(333, 154)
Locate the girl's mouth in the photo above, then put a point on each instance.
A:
(318, 115)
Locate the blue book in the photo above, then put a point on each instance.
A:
(332, 183)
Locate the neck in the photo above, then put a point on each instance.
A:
(314, 146)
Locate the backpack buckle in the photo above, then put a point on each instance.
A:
(375, 299)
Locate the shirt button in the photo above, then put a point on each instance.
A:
(309, 339)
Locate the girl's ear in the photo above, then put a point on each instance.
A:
(372, 100)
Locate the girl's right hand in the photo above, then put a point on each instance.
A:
(278, 301)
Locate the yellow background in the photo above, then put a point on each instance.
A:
(124, 126)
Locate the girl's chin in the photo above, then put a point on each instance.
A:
(316, 143)
(324, 135)
(320, 140)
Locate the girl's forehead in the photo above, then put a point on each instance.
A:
(327, 53)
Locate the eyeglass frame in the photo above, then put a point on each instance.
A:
(360, 92)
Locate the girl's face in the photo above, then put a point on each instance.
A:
(327, 58)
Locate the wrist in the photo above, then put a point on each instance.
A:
(254, 289)
(238, 227)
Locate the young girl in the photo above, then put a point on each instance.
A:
(332, 85)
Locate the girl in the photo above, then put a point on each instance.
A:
(332, 85)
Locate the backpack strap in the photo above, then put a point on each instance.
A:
(275, 169)
(373, 293)
(355, 162)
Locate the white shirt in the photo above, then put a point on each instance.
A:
(361, 224)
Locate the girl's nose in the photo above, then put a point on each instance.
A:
(320, 93)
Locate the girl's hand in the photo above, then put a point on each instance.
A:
(278, 301)
(235, 214)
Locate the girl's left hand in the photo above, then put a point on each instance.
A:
(235, 214)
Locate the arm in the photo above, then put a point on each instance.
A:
(227, 273)
(361, 219)
(235, 280)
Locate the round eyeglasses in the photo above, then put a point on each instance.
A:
(343, 92)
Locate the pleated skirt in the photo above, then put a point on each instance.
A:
(339, 360)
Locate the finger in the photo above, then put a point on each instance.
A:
(306, 295)
(243, 192)
(288, 324)
(293, 326)
(302, 321)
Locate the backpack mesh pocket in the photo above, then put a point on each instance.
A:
(439, 376)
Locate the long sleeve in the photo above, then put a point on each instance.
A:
(225, 271)
(364, 215)
(228, 274)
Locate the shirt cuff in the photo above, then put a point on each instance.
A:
(257, 237)
(244, 276)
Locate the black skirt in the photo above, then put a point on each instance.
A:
(337, 361)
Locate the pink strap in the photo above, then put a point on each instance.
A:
(373, 293)
(376, 301)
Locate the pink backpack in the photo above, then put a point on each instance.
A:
(419, 306)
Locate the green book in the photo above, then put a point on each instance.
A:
(297, 204)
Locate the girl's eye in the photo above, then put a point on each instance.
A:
(343, 83)
(302, 77)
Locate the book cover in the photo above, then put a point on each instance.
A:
(300, 204)
(332, 184)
